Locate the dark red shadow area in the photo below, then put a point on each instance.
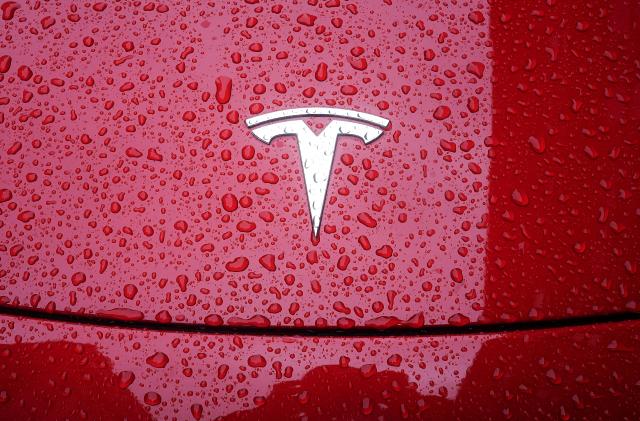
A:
(581, 373)
(63, 381)
(332, 392)
(549, 375)
(563, 203)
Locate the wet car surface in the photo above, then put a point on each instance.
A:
(508, 166)
(54, 370)
(500, 189)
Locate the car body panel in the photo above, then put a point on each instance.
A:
(504, 188)
(52, 370)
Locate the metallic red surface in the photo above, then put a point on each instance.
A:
(504, 189)
(53, 371)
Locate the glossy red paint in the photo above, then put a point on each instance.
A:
(504, 188)
(52, 371)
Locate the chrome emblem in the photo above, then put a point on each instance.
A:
(316, 152)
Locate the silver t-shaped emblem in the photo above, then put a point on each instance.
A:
(317, 151)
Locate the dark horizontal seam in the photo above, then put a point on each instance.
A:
(436, 330)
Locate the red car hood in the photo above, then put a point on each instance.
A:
(502, 189)
(52, 371)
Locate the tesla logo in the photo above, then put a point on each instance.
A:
(317, 151)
